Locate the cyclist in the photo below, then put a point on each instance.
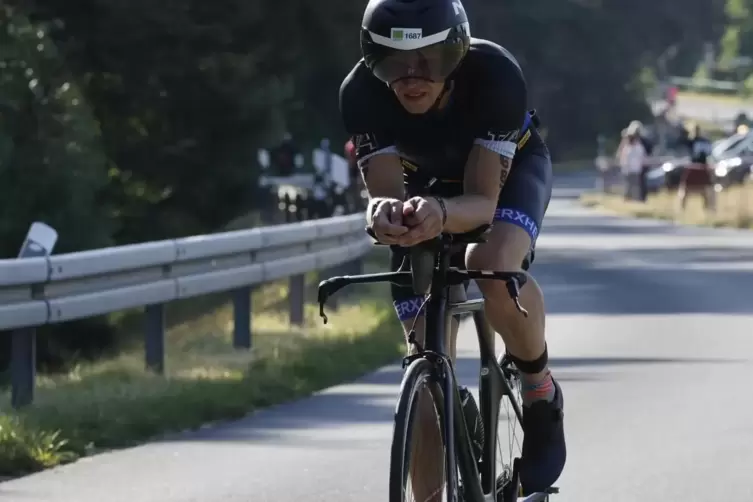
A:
(445, 142)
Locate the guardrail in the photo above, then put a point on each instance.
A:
(58, 288)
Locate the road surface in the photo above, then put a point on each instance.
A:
(650, 333)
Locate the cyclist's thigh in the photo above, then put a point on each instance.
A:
(525, 197)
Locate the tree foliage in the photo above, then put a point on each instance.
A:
(130, 120)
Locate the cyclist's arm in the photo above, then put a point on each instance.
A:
(380, 168)
(501, 112)
(375, 151)
(481, 186)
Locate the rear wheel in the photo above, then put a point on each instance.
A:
(418, 467)
(509, 437)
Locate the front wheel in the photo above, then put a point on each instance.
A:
(418, 469)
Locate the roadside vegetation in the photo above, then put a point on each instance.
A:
(114, 402)
(734, 207)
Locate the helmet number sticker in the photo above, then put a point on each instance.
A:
(400, 34)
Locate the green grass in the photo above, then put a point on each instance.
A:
(712, 97)
(734, 207)
(114, 403)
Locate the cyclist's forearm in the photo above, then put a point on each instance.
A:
(468, 212)
(383, 177)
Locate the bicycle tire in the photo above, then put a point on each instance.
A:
(508, 481)
(419, 372)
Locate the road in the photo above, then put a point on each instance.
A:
(649, 332)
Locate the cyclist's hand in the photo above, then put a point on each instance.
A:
(424, 218)
(387, 221)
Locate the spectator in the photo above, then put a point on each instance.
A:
(697, 176)
(356, 185)
(631, 156)
(286, 157)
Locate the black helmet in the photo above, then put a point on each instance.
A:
(414, 38)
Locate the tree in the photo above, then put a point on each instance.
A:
(52, 163)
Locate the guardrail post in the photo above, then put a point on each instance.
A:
(40, 241)
(296, 297)
(23, 366)
(154, 341)
(242, 317)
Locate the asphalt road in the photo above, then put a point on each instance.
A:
(650, 334)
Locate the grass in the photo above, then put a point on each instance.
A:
(713, 97)
(734, 207)
(114, 403)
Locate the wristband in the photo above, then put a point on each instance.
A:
(442, 206)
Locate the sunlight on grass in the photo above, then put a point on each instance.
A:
(115, 402)
(734, 207)
(712, 98)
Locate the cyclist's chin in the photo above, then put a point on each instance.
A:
(417, 105)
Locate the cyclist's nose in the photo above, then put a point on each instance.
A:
(413, 84)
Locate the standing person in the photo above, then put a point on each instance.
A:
(285, 157)
(697, 176)
(355, 188)
(631, 158)
(446, 143)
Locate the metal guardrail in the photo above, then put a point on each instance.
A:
(58, 288)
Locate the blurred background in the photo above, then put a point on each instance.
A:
(126, 121)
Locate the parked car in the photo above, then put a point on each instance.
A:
(667, 174)
(731, 159)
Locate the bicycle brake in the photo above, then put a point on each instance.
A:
(412, 341)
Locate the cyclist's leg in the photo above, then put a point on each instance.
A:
(427, 473)
(407, 304)
(523, 202)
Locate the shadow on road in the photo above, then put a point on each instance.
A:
(646, 281)
(317, 421)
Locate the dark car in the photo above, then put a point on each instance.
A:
(732, 159)
(667, 174)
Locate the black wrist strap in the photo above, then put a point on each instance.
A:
(443, 207)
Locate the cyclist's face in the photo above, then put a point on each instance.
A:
(417, 95)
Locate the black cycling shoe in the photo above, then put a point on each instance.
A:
(544, 452)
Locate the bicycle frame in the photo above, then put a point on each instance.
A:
(493, 385)
(494, 376)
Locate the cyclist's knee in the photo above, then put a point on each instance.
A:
(505, 249)
(508, 249)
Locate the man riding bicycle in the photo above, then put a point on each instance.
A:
(445, 143)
